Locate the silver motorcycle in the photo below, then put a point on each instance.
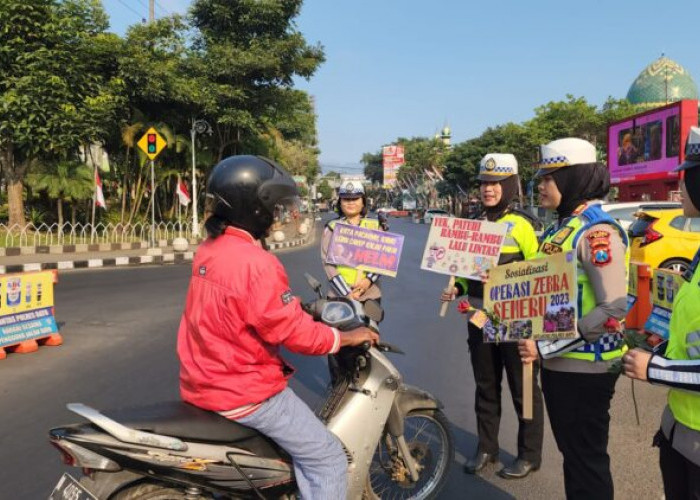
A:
(397, 440)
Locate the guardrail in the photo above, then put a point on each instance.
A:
(32, 235)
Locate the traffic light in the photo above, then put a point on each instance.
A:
(152, 144)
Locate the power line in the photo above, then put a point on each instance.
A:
(138, 14)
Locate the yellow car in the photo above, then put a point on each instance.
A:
(665, 239)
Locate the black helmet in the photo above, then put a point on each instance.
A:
(244, 191)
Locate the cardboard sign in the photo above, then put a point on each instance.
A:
(535, 299)
(665, 287)
(463, 247)
(369, 250)
(26, 307)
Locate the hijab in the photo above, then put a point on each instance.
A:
(580, 183)
(510, 193)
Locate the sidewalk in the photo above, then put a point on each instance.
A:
(67, 257)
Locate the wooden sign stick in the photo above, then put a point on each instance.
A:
(445, 305)
(527, 391)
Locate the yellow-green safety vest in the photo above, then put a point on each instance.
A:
(350, 274)
(684, 343)
(609, 345)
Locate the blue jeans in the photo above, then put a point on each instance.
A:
(320, 465)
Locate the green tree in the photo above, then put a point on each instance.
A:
(246, 55)
(58, 89)
(373, 167)
(64, 181)
(325, 190)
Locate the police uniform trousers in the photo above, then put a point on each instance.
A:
(681, 477)
(578, 405)
(488, 361)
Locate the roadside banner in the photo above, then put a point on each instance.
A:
(26, 307)
(463, 247)
(535, 299)
(366, 249)
(665, 286)
(392, 160)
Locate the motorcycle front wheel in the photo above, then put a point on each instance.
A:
(429, 440)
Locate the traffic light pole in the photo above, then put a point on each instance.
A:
(153, 205)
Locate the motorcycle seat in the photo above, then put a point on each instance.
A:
(182, 420)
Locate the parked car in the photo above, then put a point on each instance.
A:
(435, 212)
(665, 239)
(624, 212)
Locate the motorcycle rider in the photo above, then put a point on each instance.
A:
(239, 311)
(500, 193)
(679, 368)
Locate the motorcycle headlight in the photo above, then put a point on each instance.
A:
(335, 313)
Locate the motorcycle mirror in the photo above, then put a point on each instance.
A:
(313, 283)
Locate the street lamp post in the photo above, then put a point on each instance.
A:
(198, 127)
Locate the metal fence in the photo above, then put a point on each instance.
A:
(31, 235)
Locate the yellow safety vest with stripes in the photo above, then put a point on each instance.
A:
(684, 343)
(609, 345)
(350, 274)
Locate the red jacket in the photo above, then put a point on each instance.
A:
(239, 310)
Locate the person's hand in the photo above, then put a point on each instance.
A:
(635, 363)
(449, 294)
(360, 288)
(358, 336)
(527, 350)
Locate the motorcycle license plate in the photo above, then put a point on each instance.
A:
(70, 489)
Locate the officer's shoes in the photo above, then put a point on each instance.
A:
(518, 469)
(479, 462)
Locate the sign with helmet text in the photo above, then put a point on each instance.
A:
(369, 250)
(152, 143)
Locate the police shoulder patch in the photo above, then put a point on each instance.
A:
(599, 242)
(561, 235)
(286, 297)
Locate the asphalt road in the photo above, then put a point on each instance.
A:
(119, 329)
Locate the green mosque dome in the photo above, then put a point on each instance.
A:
(662, 82)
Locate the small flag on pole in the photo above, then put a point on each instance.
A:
(99, 195)
(182, 193)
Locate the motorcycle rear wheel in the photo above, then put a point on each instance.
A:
(152, 491)
(429, 439)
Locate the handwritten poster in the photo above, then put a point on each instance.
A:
(463, 247)
(370, 250)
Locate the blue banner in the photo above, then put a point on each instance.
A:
(16, 328)
(658, 321)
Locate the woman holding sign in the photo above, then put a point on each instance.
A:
(348, 281)
(576, 381)
(500, 193)
(679, 436)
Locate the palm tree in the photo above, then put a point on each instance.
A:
(65, 181)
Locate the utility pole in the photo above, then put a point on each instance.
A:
(151, 10)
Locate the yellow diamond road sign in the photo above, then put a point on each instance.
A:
(152, 143)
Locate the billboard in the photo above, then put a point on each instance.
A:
(650, 145)
(392, 160)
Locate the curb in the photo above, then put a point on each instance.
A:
(83, 247)
(168, 258)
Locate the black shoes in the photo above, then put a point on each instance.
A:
(478, 463)
(518, 469)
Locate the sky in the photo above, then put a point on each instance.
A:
(406, 68)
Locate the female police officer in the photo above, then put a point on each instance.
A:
(500, 191)
(576, 384)
(679, 436)
(346, 280)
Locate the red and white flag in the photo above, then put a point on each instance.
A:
(99, 195)
(182, 194)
